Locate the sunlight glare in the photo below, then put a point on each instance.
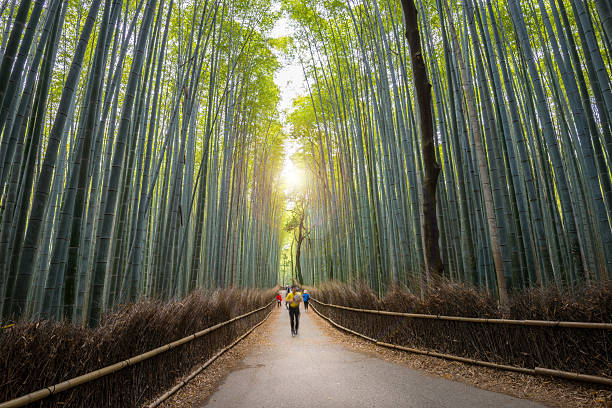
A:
(292, 175)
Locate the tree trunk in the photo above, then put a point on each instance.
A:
(298, 252)
(433, 262)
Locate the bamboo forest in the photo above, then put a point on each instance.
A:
(432, 176)
(142, 147)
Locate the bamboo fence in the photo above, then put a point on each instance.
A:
(531, 371)
(85, 378)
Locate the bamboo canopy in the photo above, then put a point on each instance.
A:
(141, 146)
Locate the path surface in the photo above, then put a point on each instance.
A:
(329, 375)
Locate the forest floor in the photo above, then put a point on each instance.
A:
(328, 368)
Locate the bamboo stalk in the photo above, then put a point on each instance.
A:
(574, 376)
(531, 371)
(540, 323)
(85, 378)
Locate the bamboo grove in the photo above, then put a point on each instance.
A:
(522, 110)
(139, 151)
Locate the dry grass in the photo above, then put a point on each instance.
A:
(580, 350)
(40, 354)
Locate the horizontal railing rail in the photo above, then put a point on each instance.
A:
(541, 323)
(85, 378)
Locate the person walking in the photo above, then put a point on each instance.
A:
(305, 299)
(294, 298)
(279, 299)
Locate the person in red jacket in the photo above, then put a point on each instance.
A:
(279, 299)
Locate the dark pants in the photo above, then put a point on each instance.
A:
(305, 305)
(294, 316)
(278, 303)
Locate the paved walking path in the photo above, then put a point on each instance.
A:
(310, 371)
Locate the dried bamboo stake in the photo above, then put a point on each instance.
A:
(531, 371)
(85, 378)
(542, 323)
(197, 371)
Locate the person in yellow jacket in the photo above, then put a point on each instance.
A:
(293, 299)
